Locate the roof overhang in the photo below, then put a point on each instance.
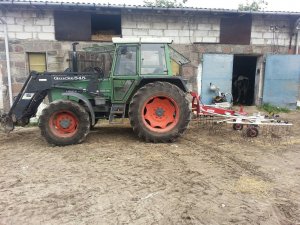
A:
(84, 6)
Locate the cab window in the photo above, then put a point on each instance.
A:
(126, 61)
(153, 60)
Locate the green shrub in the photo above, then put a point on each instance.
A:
(271, 109)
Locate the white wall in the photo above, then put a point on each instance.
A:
(29, 25)
(183, 29)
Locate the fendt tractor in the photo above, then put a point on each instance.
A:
(140, 86)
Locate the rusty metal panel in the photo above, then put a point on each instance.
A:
(282, 78)
(217, 69)
(72, 26)
(236, 30)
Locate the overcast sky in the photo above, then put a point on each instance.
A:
(274, 5)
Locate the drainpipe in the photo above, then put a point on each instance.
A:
(297, 42)
(1, 91)
(7, 62)
(297, 28)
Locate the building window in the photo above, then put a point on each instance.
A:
(37, 62)
(81, 26)
(104, 27)
(236, 30)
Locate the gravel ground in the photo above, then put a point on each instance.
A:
(207, 177)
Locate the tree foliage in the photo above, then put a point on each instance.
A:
(254, 5)
(165, 3)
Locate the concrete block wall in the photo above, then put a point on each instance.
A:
(204, 29)
(270, 30)
(181, 29)
(25, 25)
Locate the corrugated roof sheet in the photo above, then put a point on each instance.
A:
(124, 6)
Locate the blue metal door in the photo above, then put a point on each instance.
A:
(217, 69)
(281, 83)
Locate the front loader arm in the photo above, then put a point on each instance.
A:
(27, 101)
(36, 88)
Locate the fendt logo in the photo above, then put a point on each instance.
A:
(69, 78)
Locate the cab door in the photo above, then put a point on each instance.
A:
(125, 73)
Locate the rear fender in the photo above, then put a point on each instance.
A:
(173, 80)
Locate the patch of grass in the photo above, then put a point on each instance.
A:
(272, 109)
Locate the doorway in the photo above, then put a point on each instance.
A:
(243, 79)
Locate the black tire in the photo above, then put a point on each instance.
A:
(64, 122)
(252, 132)
(171, 101)
(237, 126)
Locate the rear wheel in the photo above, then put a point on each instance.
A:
(159, 112)
(64, 122)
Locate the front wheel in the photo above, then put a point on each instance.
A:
(64, 122)
(159, 112)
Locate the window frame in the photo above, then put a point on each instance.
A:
(43, 54)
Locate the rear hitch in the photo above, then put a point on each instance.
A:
(6, 123)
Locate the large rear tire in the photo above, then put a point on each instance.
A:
(64, 122)
(159, 112)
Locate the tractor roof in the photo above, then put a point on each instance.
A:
(117, 40)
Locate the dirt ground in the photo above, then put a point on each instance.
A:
(207, 177)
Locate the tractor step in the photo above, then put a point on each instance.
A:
(117, 110)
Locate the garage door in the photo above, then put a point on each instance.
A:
(217, 69)
(281, 83)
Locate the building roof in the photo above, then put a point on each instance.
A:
(93, 6)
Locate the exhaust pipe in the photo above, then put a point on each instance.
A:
(74, 57)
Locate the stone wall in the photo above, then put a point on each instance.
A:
(57, 55)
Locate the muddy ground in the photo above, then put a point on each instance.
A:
(209, 176)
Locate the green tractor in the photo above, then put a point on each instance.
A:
(140, 86)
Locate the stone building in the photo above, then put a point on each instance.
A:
(223, 46)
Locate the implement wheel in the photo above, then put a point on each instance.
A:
(159, 112)
(252, 131)
(64, 122)
(237, 126)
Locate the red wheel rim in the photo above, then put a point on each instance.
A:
(160, 114)
(63, 124)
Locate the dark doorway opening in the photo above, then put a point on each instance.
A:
(243, 79)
